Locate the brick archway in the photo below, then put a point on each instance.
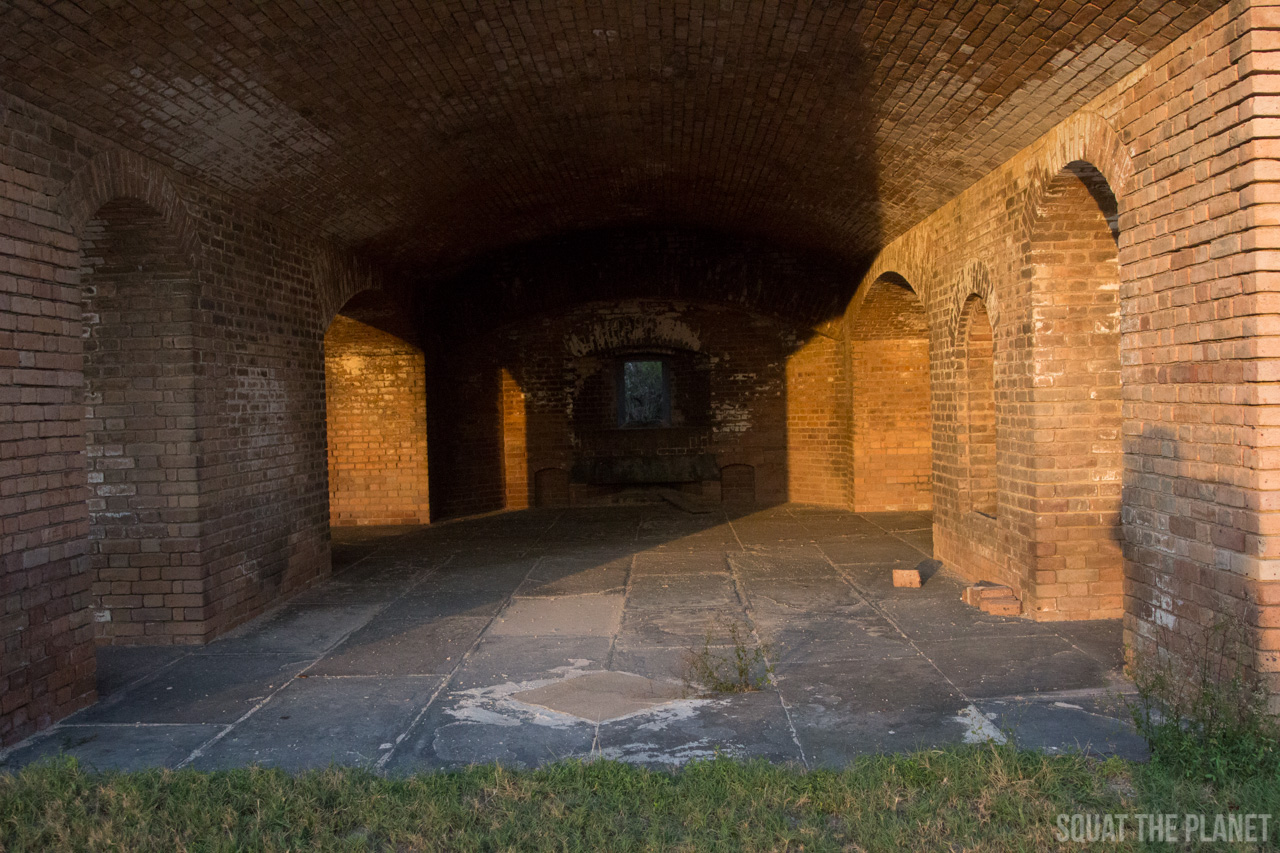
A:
(141, 396)
(118, 174)
(376, 427)
(1075, 414)
(892, 419)
(978, 424)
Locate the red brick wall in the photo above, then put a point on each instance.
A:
(465, 422)
(515, 445)
(1185, 145)
(746, 390)
(892, 426)
(257, 300)
(1075, 429)
(376, 412)
(790, 302)
(979, 428)
(140, 427)
(818, 414)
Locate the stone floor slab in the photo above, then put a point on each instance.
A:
(444, 624)
(1064, 726)
(946, 618)
(299, 628)
(600, 696)
(514, 658)
(570, 616)
(881, 552)
(562, 578)
(121, 666)
(1021, 666)
(844, 709)
(321, 721)
(713, 591)
(897, 521)
(682, 627)
(462, 729)
(679, 563)
(856, 635)
(114, 747)
(198, 689)
(404, 647)
(441, 597)
(743, 725)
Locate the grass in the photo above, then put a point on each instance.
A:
(1214, 751)
(964, 798)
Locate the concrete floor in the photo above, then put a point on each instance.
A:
(415, 655)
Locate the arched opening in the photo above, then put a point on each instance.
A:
(977, 434)
(515, 443)
(140, 418)
(817, 424)
(1076, 397)
(890, 385)
(376, 414)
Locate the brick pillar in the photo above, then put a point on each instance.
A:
(1200, 256)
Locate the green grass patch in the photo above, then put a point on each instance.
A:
(967, 798)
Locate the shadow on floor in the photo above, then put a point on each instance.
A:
(425, 648)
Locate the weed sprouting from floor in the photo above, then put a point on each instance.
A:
(1204, 716)
(745, 668)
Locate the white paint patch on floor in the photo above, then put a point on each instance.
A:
(673, 712)
(496, 705)
(979, 729)
(652, 753)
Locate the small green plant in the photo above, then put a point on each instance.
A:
(744, 668)
(1205, 716)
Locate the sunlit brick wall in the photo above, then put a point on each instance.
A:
(376, 409)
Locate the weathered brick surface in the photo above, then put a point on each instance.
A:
(376, 413)
(1132, 404)
(1103, 427)
(889, 392)
(534, 405)
(433, 132)
(188, 391)
(140, 425)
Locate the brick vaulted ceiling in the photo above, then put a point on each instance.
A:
(426, 132)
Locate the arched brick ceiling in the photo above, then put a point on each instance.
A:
(429, 132)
